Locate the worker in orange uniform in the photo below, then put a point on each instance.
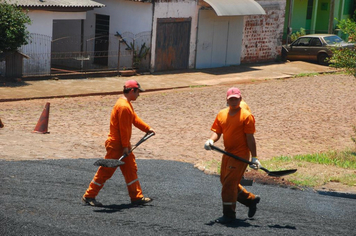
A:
(237, 126)
(122, 118)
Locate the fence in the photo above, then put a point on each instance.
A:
(78, 54)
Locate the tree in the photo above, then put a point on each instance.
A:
(13, 29)
(345, 58)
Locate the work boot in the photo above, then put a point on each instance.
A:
(225, 220)
(91, 202)
(253, 206)
(141, 201)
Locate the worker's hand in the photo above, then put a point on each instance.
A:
(256, 164)
(126, 151)
(208, 144)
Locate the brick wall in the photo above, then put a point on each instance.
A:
(262, 40)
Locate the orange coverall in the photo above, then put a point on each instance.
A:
(122, 118)
(244, 105)
(233, 129)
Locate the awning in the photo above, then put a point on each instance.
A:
(236, 7)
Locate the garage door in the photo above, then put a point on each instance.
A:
(219, 40)
(172, 44)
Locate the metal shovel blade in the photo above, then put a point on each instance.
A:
(279, 173)
(109, 163)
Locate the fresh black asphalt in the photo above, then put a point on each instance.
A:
(43, 198)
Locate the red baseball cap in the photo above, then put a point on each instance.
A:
(233, 93)
(133, 84)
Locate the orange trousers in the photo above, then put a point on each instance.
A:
(129, 171)
(232, 172)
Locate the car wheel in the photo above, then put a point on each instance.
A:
(322, 59)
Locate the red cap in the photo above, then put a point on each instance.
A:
(132, 84)
(233, 93)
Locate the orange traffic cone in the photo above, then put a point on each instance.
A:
(42, 124)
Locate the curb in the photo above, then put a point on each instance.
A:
(87, 94)
(337, 194)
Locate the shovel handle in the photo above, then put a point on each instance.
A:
(270, 173)
(144, 138)
(231, 155)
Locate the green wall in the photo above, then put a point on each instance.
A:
(323, 14)
(299, 15)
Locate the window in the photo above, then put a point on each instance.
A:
(315, 42)
(302, 42)
(101, 45)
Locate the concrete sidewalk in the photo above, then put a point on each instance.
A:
(157, 81)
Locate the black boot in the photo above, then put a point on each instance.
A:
(229, 215)
(225, 220)
(252, 208)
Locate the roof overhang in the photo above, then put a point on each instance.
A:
(144, 1)
(56, 5)
(236, 7)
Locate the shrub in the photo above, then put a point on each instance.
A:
(345, 58)
(297, 34)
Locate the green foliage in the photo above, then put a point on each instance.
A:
(139, 54)
(345, 58)
(13, 32)
(348, 26)
(297, 34)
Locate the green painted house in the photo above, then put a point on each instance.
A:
(316, 16)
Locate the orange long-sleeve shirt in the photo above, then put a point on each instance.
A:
(122, 118)
(233, 129)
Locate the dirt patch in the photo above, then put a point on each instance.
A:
(293, 116)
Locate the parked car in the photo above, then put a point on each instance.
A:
(313, 47)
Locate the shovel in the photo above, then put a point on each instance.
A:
(118, 162)
(270, 173)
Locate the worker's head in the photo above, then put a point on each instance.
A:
(132, 90)
(233, 97)
(132, 84)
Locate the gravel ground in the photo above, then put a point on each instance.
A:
(293, 116)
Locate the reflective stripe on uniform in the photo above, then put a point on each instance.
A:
(229, 203)
(96, 183)
(132, 182)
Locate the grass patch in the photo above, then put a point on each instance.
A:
(348, 179)
(305, 75)
(344, 159)
(319, 168)
(308, 181)
(213, 165)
